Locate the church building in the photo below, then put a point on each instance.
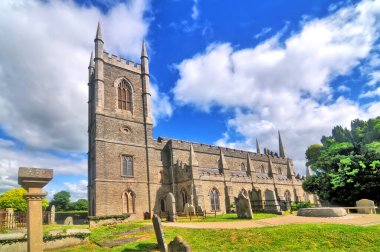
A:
(129, 172)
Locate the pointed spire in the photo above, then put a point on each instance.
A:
(258, 151)
(92, 63)
(143, 50)
(99, 33)
(249, 164)
(222, 161)
(270, 168)
(309, 172)
(192, 159)
(281, 146)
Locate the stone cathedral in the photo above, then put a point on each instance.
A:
(130, 172)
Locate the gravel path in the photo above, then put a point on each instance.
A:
(352, 219)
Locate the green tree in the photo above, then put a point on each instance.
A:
(61, 200)
(81, 204)
(347, 164)
(14, 199)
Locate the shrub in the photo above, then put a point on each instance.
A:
(301, 204)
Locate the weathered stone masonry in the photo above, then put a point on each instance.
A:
(130, 172)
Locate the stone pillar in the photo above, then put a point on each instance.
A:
(33, 180)
(10, 218)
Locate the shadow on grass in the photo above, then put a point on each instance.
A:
(144, 247)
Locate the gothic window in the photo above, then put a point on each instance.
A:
(129, 202)
(242, 167)
(127, 165)
(279, 171)
(214, 199)
(124, 95)
(287, 196)
(184, 198)
(262, 169)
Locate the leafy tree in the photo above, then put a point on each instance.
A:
(347, 164)
(14, 199)
(81, 204)
(61, 200)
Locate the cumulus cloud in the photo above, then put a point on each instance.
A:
(285, 85)
(12, 157)
(161, 106)
(43, 63)
(77, 191)
(372, 93)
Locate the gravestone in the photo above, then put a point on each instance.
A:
(179, 245)
(366, 203)
(170, 206)
(243, 207)
(69, 221)
(189, 209)
(159, 233)
(52, 214)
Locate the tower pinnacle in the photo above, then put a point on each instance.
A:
(258, 151)
(143, 50)
(99, 33)
(281, 146)
(92, 63)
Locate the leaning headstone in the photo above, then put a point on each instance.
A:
(170, 201)
(179, 245)
(68, 221)
(366, 203)
(52, 214)
(159, 233)
(243, 207)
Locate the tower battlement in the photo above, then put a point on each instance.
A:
(121, 62)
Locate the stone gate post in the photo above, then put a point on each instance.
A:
(33, 179)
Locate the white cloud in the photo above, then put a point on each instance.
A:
(374, 78)
(161, 106)
(195, 10)
(12, 157)
(77, 191)
(44, 54)
(286, 85)
(343, 88)
(372, 93)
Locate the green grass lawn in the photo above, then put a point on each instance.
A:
(296, 237)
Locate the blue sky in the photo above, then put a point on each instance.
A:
(222, 73)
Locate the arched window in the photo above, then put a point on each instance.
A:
(262, 169)
(124, 95)
(279, 171)
(129, 202)
(184, 198)
(214, 199)
(242, 167)
(287, 196)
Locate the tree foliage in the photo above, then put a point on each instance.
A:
(347, 164)
(14, 199)
(61, 200)
(81, 204)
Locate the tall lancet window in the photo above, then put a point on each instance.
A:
(214, 199)
(127, 165)
(129, 202)
(124, 95)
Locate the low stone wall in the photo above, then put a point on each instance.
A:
(322, 212)
(106, 222)
(21, 246)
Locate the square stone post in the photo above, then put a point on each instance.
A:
(33, 179)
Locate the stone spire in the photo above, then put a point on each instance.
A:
(250, 168)
(270, 167)
(222, 161)
(193, 160)
(281, 146)
(99, 70)
(91, 66)
(309, 172)
(99, 33)
(258, 151)
(146, 83)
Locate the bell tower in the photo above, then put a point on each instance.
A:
(120, 133)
